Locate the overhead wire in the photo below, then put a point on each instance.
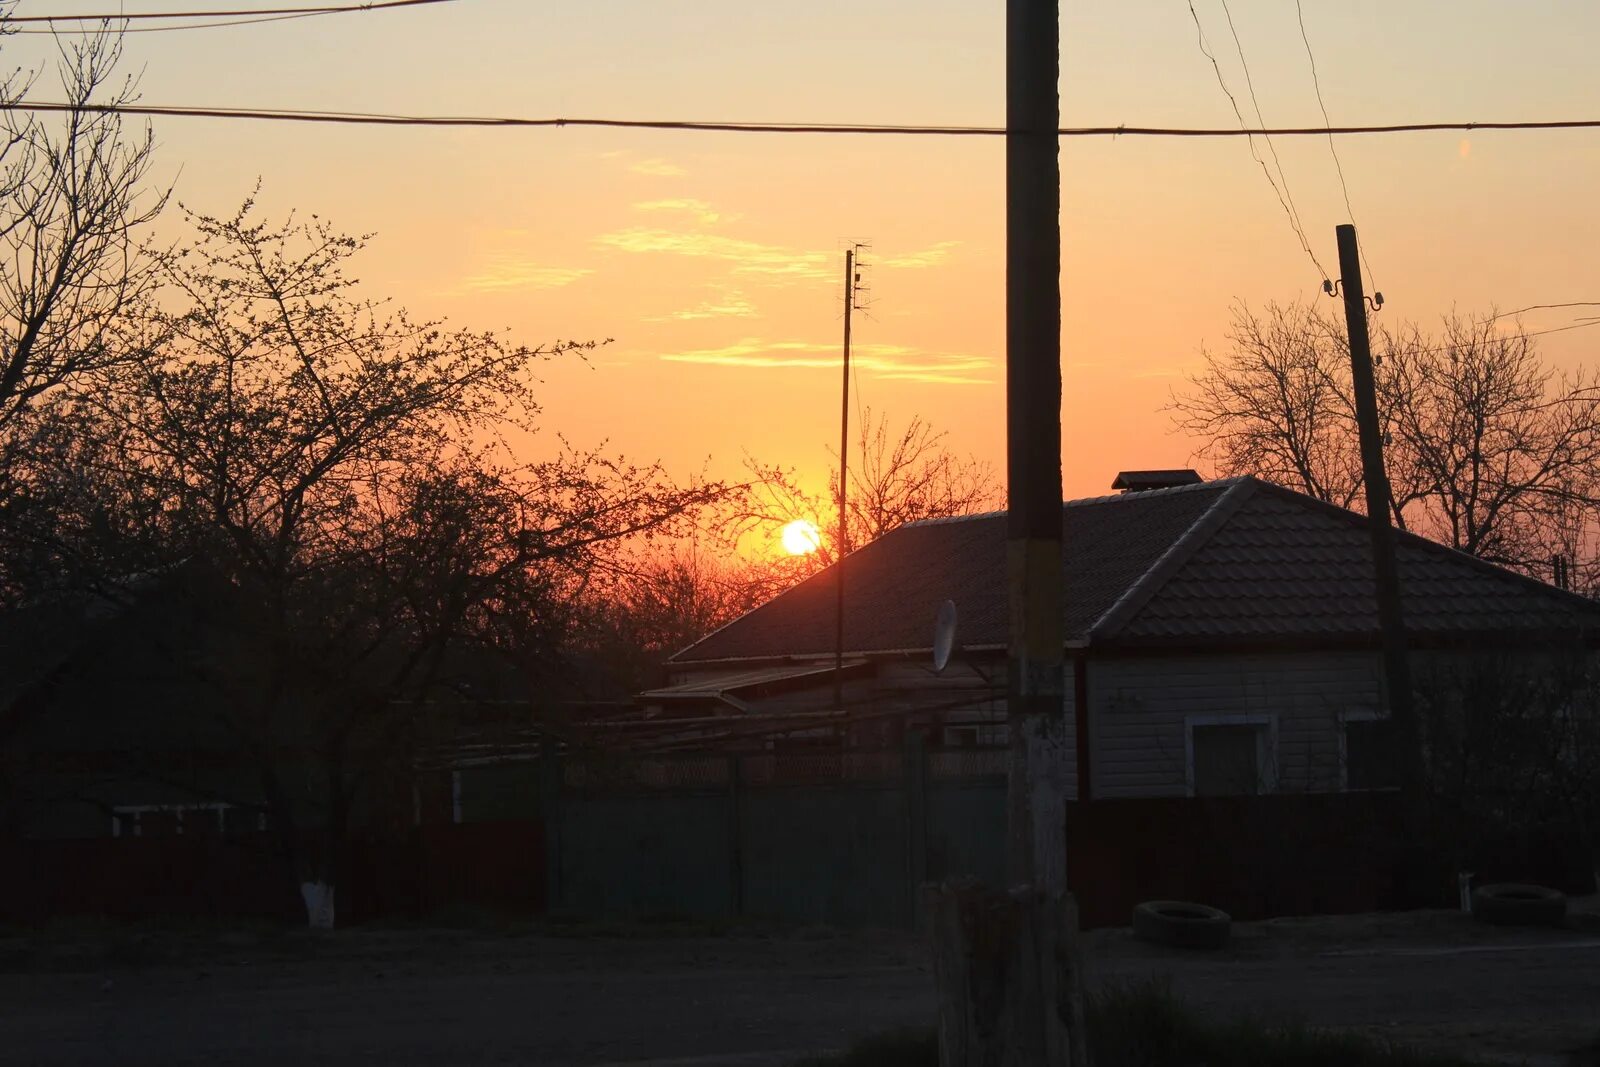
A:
(1522, 335)
(198, 25)
(1250, 85)
(154, 16)
(702, 126)
(1316, 83)
(1283, 200)
(1545, 307)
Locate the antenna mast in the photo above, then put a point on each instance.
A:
(852, 293)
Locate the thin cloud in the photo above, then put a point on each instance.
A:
(891, 362)
(748, 257)
(658, 168)
(933, 256)
(505, 272)
(702, 211)
(731, 304)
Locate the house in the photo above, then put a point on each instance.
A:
(1222, 641)
(1222, 637)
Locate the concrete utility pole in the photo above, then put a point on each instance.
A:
(1386, 572)
(1006, 964)
(1035, 693)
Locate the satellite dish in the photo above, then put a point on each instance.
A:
(944, 635)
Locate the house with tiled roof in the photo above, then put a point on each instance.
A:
(1222, 638)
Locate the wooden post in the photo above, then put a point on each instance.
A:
(915, 770)
(1386, 571)
(844, 487)
(550, 783)
(735, 834)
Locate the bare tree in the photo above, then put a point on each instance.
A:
(900, 478)
(1488, 449)
(332, 463)
(73, 200)
(895, 477)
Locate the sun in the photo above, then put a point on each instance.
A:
(801, 537)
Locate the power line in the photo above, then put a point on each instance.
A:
(1520, 336)
(699, 126)
(1545, 307)
(1249, 82)
(1338, 167)
(326, 9)
(197, 25)
(1283, 200)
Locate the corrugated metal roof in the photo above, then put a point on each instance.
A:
(1238, 559)
(732, 683)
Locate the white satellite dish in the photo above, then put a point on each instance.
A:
(944, 635)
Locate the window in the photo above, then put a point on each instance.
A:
(1230, 757)
(1369, 754)
(174, 820)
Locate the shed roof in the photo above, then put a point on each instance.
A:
(1232, 560)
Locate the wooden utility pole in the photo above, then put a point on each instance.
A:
(1386, 572)
(1006, 963)
(843, 542)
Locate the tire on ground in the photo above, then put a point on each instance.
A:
(1514, 904)
(1181, 924)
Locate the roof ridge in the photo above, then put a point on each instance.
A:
(1107, 498)
(1138, 594)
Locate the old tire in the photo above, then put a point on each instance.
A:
(1514, 904)
(1181, 924)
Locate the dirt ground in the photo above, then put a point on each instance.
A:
(591, 996)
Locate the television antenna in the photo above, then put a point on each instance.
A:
(944, 636)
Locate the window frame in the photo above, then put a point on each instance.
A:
(1345, 719)
(1266, 745)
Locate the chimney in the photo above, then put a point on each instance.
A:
(1141, 481)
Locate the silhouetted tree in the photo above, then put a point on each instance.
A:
(1488, 449)
(895, 477)
(333, 463)
(73, 200)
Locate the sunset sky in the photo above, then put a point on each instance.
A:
(714, 260)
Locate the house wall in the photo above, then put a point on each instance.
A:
(1141, 709)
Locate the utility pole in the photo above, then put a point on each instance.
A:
(1386, 572)
(852, 282)
(1006, 964)
(1035, 692)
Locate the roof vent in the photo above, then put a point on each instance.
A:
(1140, 481)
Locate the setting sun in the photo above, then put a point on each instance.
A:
(801, 537)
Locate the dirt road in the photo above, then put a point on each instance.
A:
(456, 998)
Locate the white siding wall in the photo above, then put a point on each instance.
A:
(1139, 709)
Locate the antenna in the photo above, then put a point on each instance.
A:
(944, 636)
(852, 292)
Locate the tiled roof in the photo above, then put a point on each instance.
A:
(894, 586)
(1228, 560)
(1283, 565)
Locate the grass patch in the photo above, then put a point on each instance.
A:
(1144, 1025)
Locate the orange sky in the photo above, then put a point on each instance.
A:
(714, 259)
